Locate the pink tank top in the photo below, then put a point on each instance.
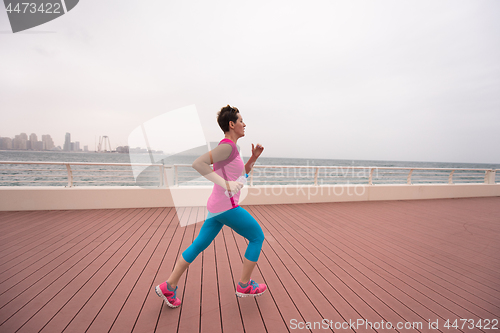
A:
(229, 169)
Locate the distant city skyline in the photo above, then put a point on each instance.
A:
(92, 146)
(23, 142)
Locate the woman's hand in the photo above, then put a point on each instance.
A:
(256, 151)
(234, 186)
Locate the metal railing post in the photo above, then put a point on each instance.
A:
(165, 170)
(408, 180)
(489, 177)
(162, 176)
(316, 177)
(70, 175)
(370, 178)
(450, 178)
(169, 176)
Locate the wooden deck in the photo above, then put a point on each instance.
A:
(392, 261)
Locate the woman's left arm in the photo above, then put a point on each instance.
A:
(256, 151)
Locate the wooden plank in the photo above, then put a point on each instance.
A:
(190, 310)
(320, 287)
(170, 318)
(43, 227)
(328, 287)
(154, 307)
(287, 309)
(432, 260)
(266, 305)
(423, 269)
(229, 307)
(419, 246)
(104, 289)
(9, 217)
(393, 274)
(210, 310)
(48, 289)
(431, 243)
(327, 239)
(132, 306)
(20, 266)
(21, 223)
(292, 280)
(250, 314)
(34, 294)
(114, 305)
(46, 229)
(82, 307)
(409, 277)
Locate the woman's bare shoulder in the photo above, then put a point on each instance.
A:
(222, 152)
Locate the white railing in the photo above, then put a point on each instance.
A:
(75, 173)
(328, 175)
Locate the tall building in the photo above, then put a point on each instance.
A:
(48, 143)
(5, 143)
(67, 142)
(20, 141)
(32, 142)
(38, 146)
(77, 145)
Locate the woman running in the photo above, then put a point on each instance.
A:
(223, 208)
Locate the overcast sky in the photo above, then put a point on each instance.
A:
(372, 80)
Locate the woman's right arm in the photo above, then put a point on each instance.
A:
(202, 165)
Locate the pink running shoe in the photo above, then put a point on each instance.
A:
(169, 296)
(251, 289)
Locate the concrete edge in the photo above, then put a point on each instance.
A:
(92, 197)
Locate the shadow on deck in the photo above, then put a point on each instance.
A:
(394, 261)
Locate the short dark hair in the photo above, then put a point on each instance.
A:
(225, 115)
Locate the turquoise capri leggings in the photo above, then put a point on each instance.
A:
(237, 219)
